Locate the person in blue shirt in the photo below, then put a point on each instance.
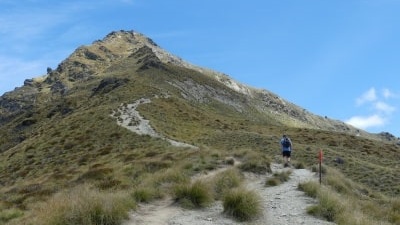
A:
(286, 146)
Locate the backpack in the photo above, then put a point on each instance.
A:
(286, 142)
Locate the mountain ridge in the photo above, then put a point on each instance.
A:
(87, 62)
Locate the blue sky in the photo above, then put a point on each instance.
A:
(338, 59)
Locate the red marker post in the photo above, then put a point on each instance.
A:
(320, 157)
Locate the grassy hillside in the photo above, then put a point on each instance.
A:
(67, 136)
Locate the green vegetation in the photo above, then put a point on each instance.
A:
(7, 215)
(226, 180)
(255, 163)
(242, 204)
(84, 205)
(347, 203)
(195, 195)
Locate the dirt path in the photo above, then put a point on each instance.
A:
(283, 204)
(127, 116)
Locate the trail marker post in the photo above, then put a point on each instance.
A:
(320, 157)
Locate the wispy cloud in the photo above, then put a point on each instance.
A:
(368, 96)
(365, 122)
(389, 94)
(379, 109)
(384, 107)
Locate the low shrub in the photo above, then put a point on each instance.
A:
(242, 204)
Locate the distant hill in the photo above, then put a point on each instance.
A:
(69, 126)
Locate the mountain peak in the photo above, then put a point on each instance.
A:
(131, 41)
(127, 36)
(89, 60)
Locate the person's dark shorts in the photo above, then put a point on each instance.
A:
(286, 153)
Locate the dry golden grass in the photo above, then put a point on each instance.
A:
(193, 195)
(225, 181)
(347, 203)
(242, 204)
(84, 205)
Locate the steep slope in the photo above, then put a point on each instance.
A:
(62, 129)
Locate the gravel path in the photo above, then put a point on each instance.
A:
(127, 116)
(283, 205)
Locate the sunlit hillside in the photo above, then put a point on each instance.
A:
(64, 129)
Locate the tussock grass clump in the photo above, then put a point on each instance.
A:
(278, 178)
(343, 202)
(339, 183)
(256, 163)
(146, 194)
(226, 180)
(242, 204)
(155, 185)
(85, 206)
(310, 188)
(195, 195)
(330, 206)
(356, 217)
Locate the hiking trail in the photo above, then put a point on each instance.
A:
(283, 204)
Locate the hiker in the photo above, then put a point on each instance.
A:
(286, 146)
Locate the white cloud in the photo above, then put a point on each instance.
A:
(386, 93)
(381, 110)
(365, 122)
(384, 107)
(368, 96)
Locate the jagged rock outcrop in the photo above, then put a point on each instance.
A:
(108, 84)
